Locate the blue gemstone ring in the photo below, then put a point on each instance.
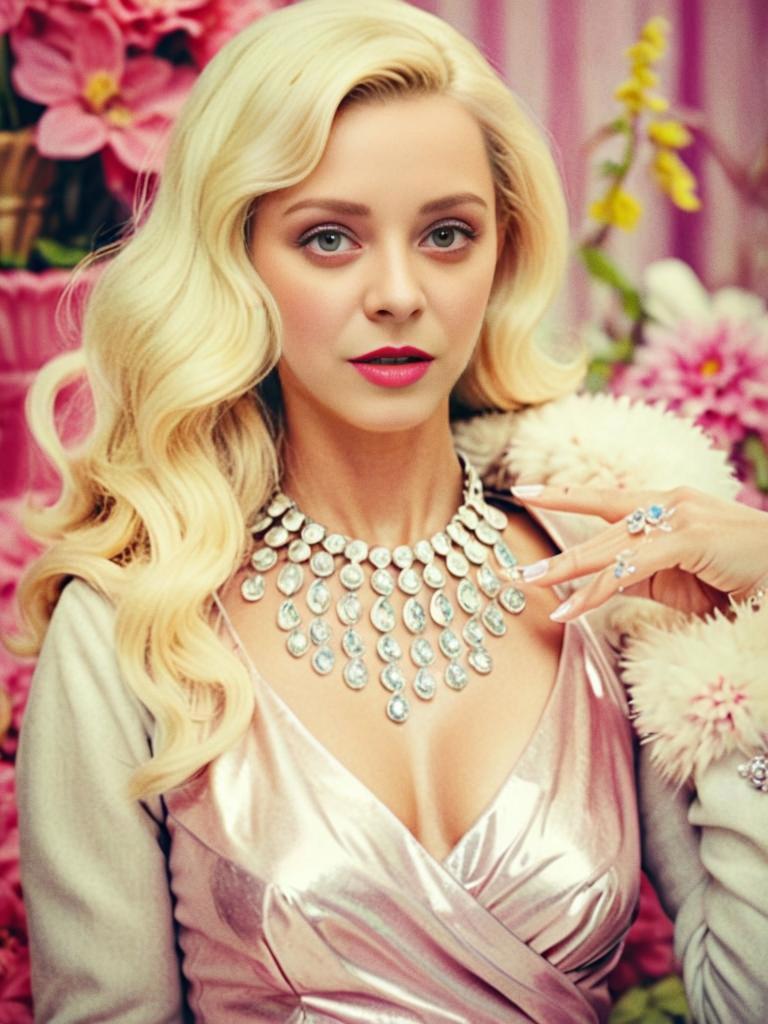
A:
(623, 566)
(655, 517)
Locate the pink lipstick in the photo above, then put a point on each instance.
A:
(391, 367)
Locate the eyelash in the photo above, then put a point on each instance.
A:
(459, 225)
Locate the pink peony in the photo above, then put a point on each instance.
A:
(96, 97)
(15, 990)
(704, 356)
(144, 23)
(648, 947)
(10, 14)
(219, 20)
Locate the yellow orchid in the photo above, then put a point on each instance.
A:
(675, 179)
(670, 134)
(618, 208)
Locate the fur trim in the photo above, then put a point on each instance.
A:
(701, 691)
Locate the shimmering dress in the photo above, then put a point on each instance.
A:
(301, 897)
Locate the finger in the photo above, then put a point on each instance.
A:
(611, 504)
(581, 560)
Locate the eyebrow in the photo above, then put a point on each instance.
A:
(359, 210)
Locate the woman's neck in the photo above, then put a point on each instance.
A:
(385, 488)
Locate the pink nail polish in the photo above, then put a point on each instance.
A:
(561, 611)
(534, 571)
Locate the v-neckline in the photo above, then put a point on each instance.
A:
(338, 766)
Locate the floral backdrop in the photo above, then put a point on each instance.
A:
(657, 112)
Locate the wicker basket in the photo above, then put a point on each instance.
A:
(25, 178)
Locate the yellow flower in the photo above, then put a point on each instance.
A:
(654, 32)
(632, 94)
(676, 180)
(671, 134)
(642, 53)
(618, 208)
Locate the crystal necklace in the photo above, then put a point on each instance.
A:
(470, 549)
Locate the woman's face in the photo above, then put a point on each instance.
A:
(381, 263)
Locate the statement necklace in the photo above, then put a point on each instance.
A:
(470, 549)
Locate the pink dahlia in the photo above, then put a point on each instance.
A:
(15, 990)
(705, 357)
(96, 96)
(144, 22)
(219, 20)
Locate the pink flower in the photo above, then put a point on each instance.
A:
(95, 95)
(15, 990)
(9, 829)
(648, 947)
(705, 357)
(219, 20)
(10, 14)
(145, 23)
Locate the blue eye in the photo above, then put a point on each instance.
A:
(328, 240)
(451, 236)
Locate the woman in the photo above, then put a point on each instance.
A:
(373, 775)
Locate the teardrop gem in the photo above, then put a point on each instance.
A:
(441, 542)
(468, 516)
(279, 504)
(335, 543)
(433, 576)
(263, 559)
(398, 708)
(424, 684)
(402, 556)
(456, 563)
(261, 524)
(409, 581)
(449, 644)
(321, 563)
(290, 579)
(456, 676)
(504, 555)
(383, 615)
(486, 533)
(352, 576)
(355, 674)
(441, 609)
(475, 551)
(494, 516)
(319, 598)
(480, 660)
(513, 600)
(356, 551)
(388, 648)
(392, 678)
(493, 620)
(383, 582)
(252, 588)
(473, 632)
(276, 536)
(323, 660)
(379, 557)
(468, 597)
(319, 632)
(293, 519)
(297, 643)
(299, 551)
(414, 616)
(312, 533)
(349, 609)
(457, 532)
(423, 551)
(287, 616)
(352, 643)
(488, 581)
(422, 652)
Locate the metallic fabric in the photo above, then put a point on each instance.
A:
(301, 897)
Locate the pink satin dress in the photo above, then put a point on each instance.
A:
(300, 897)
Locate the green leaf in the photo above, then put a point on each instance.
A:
(56, 254)
(630, 1008)
(619, 125)
(757, 456)
(602, 268)
(669, 995)
(611, 169)
(12, 262)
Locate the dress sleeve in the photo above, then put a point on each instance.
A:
(94, 869)
(700, 695)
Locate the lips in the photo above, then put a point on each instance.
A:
(391, 356)
(391, 367)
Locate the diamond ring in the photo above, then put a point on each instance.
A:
(655, 517)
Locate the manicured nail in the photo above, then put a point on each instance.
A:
(561, 611)
(535, 571)
(526, 490)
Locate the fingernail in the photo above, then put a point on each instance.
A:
(535, 571)
(561, 611)
(526, 490)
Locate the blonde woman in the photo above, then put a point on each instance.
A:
(319, 730)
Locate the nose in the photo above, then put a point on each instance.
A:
(394, 292)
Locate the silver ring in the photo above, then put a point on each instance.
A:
(655, 517)
(623, 566)
(755, 771)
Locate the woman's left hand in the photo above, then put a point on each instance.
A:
(684, 548)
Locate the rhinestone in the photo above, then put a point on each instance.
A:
(319, 632)
(456, 532)
(290, 579)
(252, 588)
(456, 676)
(297, 643)
(441, 543)
(352, 576)
(512, 599)
(456, 563)
(424, 684)
(392, 678)
(423, 551)
(313, 533)
(475, 551)
(263, 559)
(356, 551)
(504, 556)
(321, 563)
(468, 596)
(279, 504)
(473, 632)
(261, 524)
(380, 557)
(355, 674)
(349, 609)
(383, 615)
(398, 708)
(352, 643)
(449, 643)
(388, 649)
(468, 516)
(494, 516)
(293, 519)
(486, 533)
(334, 543)
(422, 652)
(383, 582)
(488, 581)
(402, 556)
(480, 660)
(433, 576)
(323, 660)
(299, 551)
(493, 620)
(441, 609)
(288, 616)
(409, 581)
(414, 616)
(276, 536)
(319, 598)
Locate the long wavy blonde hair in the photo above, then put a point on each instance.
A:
(180, 336)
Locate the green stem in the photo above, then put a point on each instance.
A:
(9, 111)
(600, 237)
